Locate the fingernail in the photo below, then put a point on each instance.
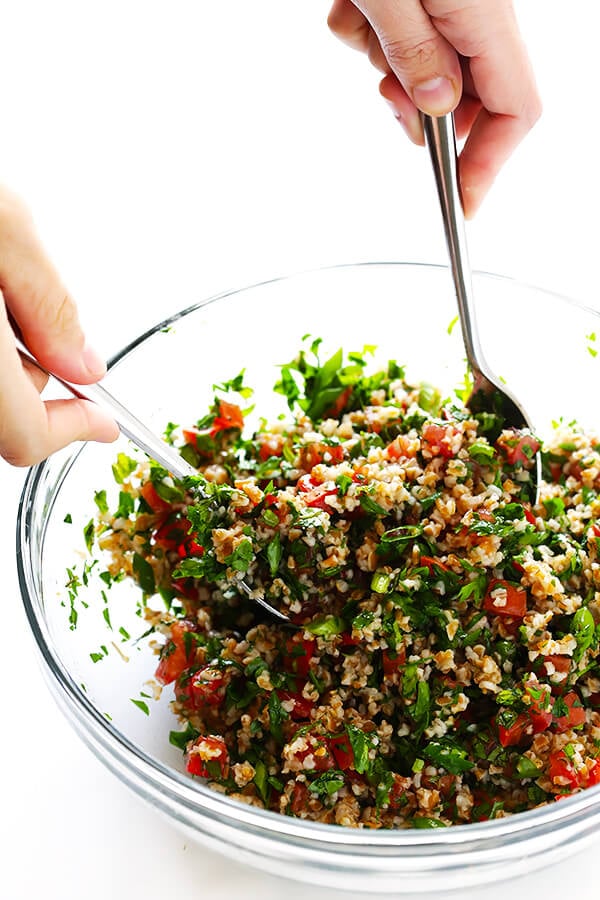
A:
(93, 362)
(436, 96)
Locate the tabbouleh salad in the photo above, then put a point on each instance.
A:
(444, 668)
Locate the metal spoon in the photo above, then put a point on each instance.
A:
(488, 395)
(146, 440)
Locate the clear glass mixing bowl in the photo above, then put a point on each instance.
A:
(541, 343)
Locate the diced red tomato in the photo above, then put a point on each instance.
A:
(153, 499)
(518, 448)
(539, 709)
(516, 599)
(172, 533)
(302, 706)
(392, 661)
(229, 416)
(315, 495)
(513, 734)
(177, 654)
(575, 715)
(342, 751)
(190, 435)
(338, 404)
(205, 688)
(185, 588)
(397, 790)
(270, 445)
(347, 639)
(432, 563)
(319, 748)
(593, 776)
(536, 718)
(529, 516)
(557, 663)
(439, 439)
(208, 757)
(596, 530)
(297, 656)
(401, 447)
(561, 771)
(299, 798)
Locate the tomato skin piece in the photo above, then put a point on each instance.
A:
(575, 716)
(153, 499)
(432, 563)
(516, 599)
(205, 750)
(174, 658)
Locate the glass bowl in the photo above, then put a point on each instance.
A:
(541, 343)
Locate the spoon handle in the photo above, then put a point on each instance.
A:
(440, 137)
(130, 426)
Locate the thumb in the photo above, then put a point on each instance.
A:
(39, 302)
(424, 62)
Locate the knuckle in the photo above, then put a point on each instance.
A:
(59, 317)
(409, 55)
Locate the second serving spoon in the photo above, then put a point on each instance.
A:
(154, 446)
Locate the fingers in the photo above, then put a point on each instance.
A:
(502, 78)
(348, 24)
(424, 62)
(38, 301)
(30, 430)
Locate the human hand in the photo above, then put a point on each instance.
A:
(34, 296)
(443, 55)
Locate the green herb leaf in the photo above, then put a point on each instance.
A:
(274, 552)
(123, 467)
(144, 574)
(327, 784)
(181, 739)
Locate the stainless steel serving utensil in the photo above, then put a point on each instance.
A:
(488, 394)
(146, 440)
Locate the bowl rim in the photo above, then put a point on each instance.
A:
(97, 731)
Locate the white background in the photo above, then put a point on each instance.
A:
(173, 150)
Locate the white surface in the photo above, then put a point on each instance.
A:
(170, 151)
